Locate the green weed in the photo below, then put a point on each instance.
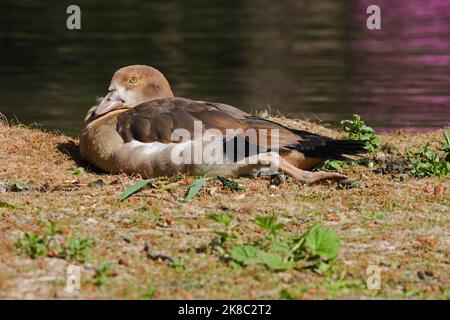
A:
(428, 162)
(356, 129)
(37, 245)
(317, 248)
(78, 248)
(102, 274)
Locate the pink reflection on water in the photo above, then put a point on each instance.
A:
(405, 66)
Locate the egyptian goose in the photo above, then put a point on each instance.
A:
(136, 129)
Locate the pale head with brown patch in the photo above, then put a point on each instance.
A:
(134, 85)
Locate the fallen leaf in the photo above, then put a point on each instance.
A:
(134, 188)
(195, 187)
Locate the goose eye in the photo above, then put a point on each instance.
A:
(132, 80)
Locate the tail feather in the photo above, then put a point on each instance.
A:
(335, 149)
(310, 144)
(317, 146)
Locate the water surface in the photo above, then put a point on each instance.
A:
(313, 59)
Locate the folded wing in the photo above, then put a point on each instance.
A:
(156, 120)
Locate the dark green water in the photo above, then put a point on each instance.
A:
(312, 59)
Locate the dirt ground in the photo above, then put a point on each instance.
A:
(156, 245)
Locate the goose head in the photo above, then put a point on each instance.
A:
(134, 85)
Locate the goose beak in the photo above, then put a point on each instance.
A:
(110, 102)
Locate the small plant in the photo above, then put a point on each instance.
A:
(270, 224)
(149, 291)
(356, 129)
(331, 165)
(33, 245)
(51, 227)
(250, 255)
(446, 146)
(318, 245)
(335, 281)
(78, 248)
(102, 274)
(428, 162)
(76, 171)
(279, 250)
(229, 232)
(177, 263)
(224, 219)
(286, 294)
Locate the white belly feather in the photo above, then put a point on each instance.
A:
(154, 159)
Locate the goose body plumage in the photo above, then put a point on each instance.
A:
(138, 134)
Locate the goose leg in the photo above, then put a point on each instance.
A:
(299, 174)
(277, 163)
(308, 176)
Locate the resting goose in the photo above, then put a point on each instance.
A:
(141, 128)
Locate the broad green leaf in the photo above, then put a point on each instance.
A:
(134, 188)
(336, 165)
(330, 165)
(281, 247)
(245, 254)
(321, 242)
(269, 223)
(273, 261)
(225, 219)
(195, 187)
(250, 255)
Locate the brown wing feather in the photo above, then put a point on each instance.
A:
(156, 121)
(274, 130)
